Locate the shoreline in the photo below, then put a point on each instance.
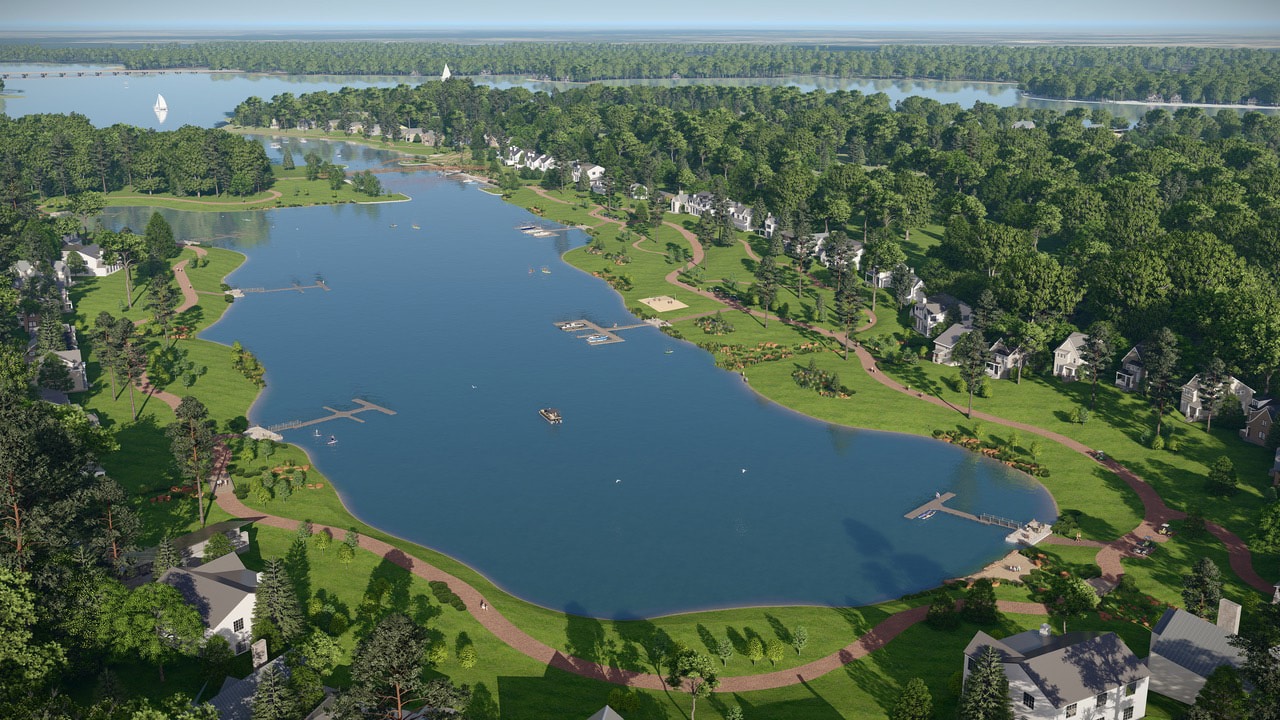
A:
(1140, 103)
(341, 496)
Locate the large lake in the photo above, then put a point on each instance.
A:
(671, 486)
(208, 99)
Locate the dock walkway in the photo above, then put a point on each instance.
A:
(365, 406)
(1021, 534)
(588, 328)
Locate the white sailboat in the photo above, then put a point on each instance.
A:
(161, 108)
(446, 74)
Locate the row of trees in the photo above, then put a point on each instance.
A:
(1199, 74)
(61, 155)
(1172, 226)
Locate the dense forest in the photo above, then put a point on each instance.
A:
(1174, 223)
(1195, 74)
(60, 155)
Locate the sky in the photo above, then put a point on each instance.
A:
(975, 15)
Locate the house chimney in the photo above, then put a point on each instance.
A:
(1045, 630)
(1229, 617)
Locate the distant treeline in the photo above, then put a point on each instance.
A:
(54, 155)
(1196, 74)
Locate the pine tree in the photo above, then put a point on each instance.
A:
(986, 690)
(192, 442)
(166, 557)
(1213, 387)
(971, 355)
(49, 336)
(54, 374)
(914, 702)
(1160, 363)
(277, 603)
(1099, 349)
(942, 613)
(274, 698)
(1202, 589)
(158, 238)
(386, 669)
(286, 160)
(980, 602)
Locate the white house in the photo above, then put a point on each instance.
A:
(741, 215)
(946, 341)
(1185, 649)
(1085, 675)
(594, 172)
(223, 590)
(93, 259)
(696, 205)
(1131, 373)
(1068, 358)
(769, 226)
(1192, 404)
(934, 310)
(1005, 360)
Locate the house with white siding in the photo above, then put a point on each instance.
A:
(224, 591)
(1068, 358)
(1059, 677)
(1195, 407)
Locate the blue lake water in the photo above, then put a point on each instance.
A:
(205, 99)
(670, 486)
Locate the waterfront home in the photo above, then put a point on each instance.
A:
(410, 134)
(935, 309)
(946, 341)
(1258, 422)
(696, 205)
(741, 215)
(223, 590)
(1193, 403)
(1004, 360)
(1131, 373)
(94, 262)
(594, 172)
(1068, 358)
(1076, 675)
(1185, 649)
(769, 226)
(191, 546)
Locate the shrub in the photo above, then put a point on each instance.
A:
(241, 491)
(467, 656)
(322, 540)
(942, 613)
(1157, 442)
(437, 653)
(338, 624)
(984, 388)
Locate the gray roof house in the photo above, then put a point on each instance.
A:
(606, 713)
(1257, 425)
(1131, 373)
(1068, 358)
(1185, 649)
(1076, 675)
(1004, 360)
(696, 204)
(946, 342)
(223, 590)
(1192, 403)
(934, 309)
(234, 700)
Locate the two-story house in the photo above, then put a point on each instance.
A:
(1257, 425)
(945, 343)
(1068, 358)
(224, 591)
(594, 172)
(935, 309)
(1195, 407)
(697, 204)
(93, 256)
(1185, 649)
(1131, 373)
(1005, 360)
(1084, 675)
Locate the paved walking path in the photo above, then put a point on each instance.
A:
(189, 300)
(506, 631)
(1155, 511)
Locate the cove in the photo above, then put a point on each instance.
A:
(670, 486)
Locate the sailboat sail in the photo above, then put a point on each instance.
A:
(161, 105)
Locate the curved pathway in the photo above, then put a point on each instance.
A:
(189, 300)
(506, 631)
(273, 195)
(1155, 511)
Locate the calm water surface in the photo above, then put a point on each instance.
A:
(205, 99)
(671, 486)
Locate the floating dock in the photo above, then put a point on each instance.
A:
(1025, 534)
(588, 330)
(365, 406)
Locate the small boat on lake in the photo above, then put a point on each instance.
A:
(551, 415)
(332, 440)
(545, 270)
(926, 514)
(415, 227)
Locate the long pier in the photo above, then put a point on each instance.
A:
(319, 285)
(588, 328)
(45, 74)
(365, 406)
(939, 504)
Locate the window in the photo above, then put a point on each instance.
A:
(1128, 714)
(1029, 701)
(238, 625)
(241, 647)
(1130, 689)
(1071, 710)
(973, 664)
(1102, 699)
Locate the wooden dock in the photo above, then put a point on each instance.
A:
(296, 287)
(365, 406)
(586, 328)
(939, 504)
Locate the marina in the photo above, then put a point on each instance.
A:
(1028, 533)
(596, 335)
(365, 406)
